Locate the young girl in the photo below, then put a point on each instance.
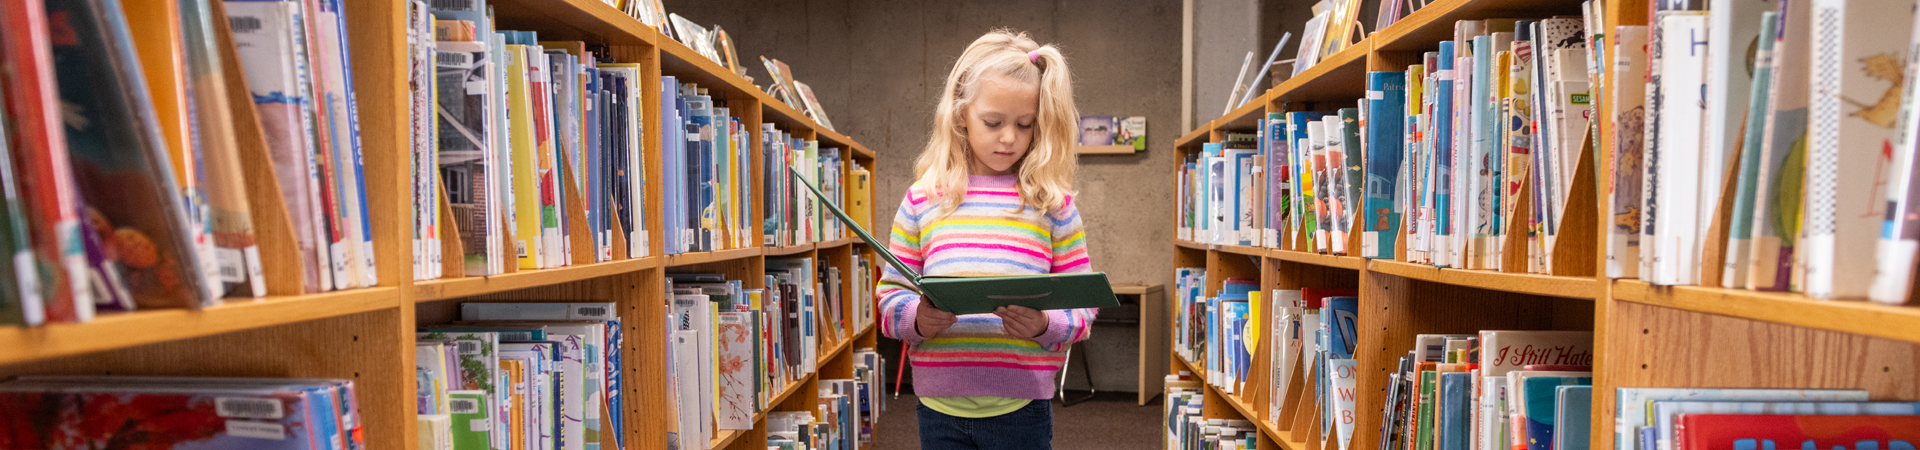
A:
(993, 198)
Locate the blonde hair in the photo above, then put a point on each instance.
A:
(1046, 172)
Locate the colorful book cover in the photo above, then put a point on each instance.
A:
(38, 148)
(1573, 426)
(1633, 405)
(1097, 130)
(526, 179)
(463, 72)
(1857, 76)
(1540, 400)
(1343, 375)
(736, 389)
(1739, 251)
(1386, 99)
(269, 41)
(120, 162)
(1780, 182)
(1507, 351)
(1321, 191)
(229, 216)
(337, 123)
(1429, 391)
(210, 418)
(480, 370)
(1302, 181)
(1664, 413)
(153, 31)
(1629, 95)
(1900, 232)
(1736, 431)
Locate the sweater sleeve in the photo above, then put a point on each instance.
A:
(1067, 326)
(897, 295)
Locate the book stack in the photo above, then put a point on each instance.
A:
(523, 375)
(844, 417)
(1716, 419)
(179, 412)
(536, 143)
(793, 215)
(1186, 429)
(1491, 390)
(707, 170)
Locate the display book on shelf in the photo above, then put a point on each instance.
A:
(136, 198)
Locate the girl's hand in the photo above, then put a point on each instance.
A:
(1022, 322)
(930, 321)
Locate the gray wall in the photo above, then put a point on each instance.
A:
(876, 65)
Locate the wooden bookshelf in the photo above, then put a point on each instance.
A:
(368, 334)
(1644, 335)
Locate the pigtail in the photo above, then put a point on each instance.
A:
(1046, 179)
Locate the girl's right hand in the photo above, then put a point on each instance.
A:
(930, 321)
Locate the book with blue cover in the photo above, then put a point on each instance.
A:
(1573, 425)
(1540, 396)
(1456, 396)
(1442, 144)
(1386, 102)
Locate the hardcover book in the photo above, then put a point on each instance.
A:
(1734, 431)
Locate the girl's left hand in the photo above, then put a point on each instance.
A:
(1021, 322)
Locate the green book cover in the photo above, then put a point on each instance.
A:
(1429, 382)
(470, 419)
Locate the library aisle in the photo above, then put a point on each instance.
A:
(592, 224)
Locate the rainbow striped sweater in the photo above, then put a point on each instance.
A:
(989, 234)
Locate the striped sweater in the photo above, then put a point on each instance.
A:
(988, 235)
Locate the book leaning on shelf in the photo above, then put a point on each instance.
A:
(136, 200)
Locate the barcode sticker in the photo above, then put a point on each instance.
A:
(464, 406)
(1376, 95)
(244, 24)
(453, 59)
(247, 408)
(451, 5)
(232, 265)
(257, 430)
(480, 425)
(586, 312)
(255, 272)
(468, 348)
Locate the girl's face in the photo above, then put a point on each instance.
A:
(999, 125)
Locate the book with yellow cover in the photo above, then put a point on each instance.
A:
(860, 196)
(525, 187)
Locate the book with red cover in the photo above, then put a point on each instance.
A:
(1749, 431)
(1315, 298)
(39, 151)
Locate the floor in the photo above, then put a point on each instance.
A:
(1111, 421)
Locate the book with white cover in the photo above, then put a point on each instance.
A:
(1507, 351)
(1857, 77)
(1629, 97)
(1900, 235)
(1674, 164)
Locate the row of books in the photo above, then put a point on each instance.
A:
(844, 417)
(532, 376)
(793, 215)
(1187, 429)
(44, 411)
(125, 190)
(1491, 390)
(507, 128)
(733, 349)
(1728, 419)
(1813, 144)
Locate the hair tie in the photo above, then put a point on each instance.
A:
(1034, 57)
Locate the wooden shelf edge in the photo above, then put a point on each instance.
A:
(1183, 243)
(1336, 261)
(123, 330)
(1241, 250)
(724, 438)
(446, 288)
(842, 346)
(1196, 136)
(1354, 54)
(788, 250)
(1524, 283)
(1858, 317)
(775, 401)
(1104, 150)
(688, 259)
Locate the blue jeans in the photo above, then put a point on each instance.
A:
(1030, 427)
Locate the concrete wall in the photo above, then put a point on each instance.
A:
(876, 65)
